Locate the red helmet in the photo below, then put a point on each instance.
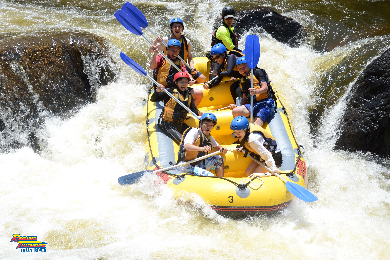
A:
(181, 75)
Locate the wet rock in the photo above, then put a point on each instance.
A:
(366, 123)
(283, 29)
(47, 75)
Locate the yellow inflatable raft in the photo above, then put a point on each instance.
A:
(235, 195)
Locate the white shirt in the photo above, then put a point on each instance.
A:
(256, 142)
(193, 134)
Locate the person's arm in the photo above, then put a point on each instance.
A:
(231, 63)
(153, 61)
(223, 34)
(160, 95)
(189, 55)
(256, 142)
(263, 86)
(194, 108)
(214, 144)
(215, 70)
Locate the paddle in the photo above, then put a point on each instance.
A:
(140, 18)
(133, 27)
(252, 55)
(135, 66)
(134, 177)
(295, 189)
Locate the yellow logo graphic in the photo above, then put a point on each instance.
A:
(28, 243)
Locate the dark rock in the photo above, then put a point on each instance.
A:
(366, 123)
(283, 29)
(48, 75)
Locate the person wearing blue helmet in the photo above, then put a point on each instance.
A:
(223, 64)
(186, 49)
(163, 71)
(197, 142)
(185, 52)
(263, 94)
(225, 33)
(257, 142)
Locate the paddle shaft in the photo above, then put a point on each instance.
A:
(133, 177)
(226, 81)
(186, 163)
(172, 96)
(268, 169)
(252, 96)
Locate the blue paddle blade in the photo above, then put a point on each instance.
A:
(135, 14)
(134, 65)
(252, 51)
(132, 178)
(300, 192)
(128, 22)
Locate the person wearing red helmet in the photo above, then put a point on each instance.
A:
(163, 71)
(171, 121)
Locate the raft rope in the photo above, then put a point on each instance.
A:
(147, 130)
(241, 186)
(292, 133)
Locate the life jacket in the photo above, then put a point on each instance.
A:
(173, 112)
(201, 141)
(233, 36)
(245, 85)
(236, 53)
(160, 74)
(269, 143)
(183, 49)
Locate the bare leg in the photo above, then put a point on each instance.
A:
(220, 171)
(258, 121)
(255, 167)
(201, 79)
(197, 94)
(240, 111)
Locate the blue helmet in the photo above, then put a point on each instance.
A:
(174, 42)
(208, 116)
(218, 48)
(241, 60)
(176, 20)
(239, 123)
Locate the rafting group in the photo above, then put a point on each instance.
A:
(230, 171)
(174, 71)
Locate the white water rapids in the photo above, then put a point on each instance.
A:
(68, 195)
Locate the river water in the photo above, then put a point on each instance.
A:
(68, 195)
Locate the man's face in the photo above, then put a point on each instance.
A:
(243, 69)
(229, 21)
(177, 29)
(219, 58)
(173, 51)
(207, 126)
